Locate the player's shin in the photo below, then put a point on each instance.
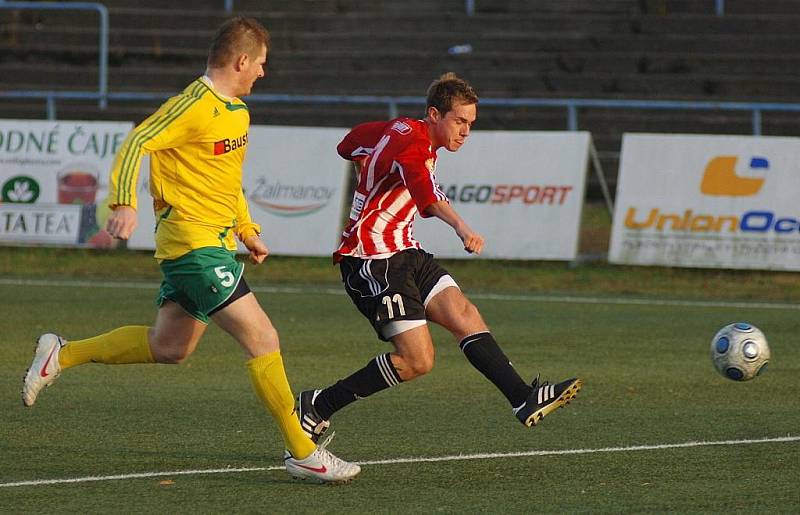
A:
(484, 354)
(270, 383)
(379, 374)
(129, 344)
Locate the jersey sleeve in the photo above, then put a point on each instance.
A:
(245, 227)
(361, 140)
(175, 123)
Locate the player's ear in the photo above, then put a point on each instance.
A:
(242, 61)
(434, 114)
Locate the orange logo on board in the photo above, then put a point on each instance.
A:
(720, 177)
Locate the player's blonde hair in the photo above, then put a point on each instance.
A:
(448, 90)
(237, 36)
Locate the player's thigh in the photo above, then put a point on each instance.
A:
(175, 334)
(451, 309)
(246, 321)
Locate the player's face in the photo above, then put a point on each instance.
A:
(452, 129)
(253, 69)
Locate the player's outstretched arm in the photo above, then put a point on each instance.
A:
(258, 250)
(473, 242)
(122, 222)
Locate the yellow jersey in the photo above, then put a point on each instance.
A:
(197, 142)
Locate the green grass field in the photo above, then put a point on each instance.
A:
(654, 430)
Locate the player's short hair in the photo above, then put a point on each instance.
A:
(449, 90)
(237, 36)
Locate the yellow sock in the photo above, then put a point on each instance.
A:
(127, 344)
(269, 381)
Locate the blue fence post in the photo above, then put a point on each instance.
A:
(469, 7)
(51, 107)
(572, 117)
(756, 122)
(228, 6)
(720, 7)
(103, 86)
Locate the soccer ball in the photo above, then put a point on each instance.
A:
(740, 351)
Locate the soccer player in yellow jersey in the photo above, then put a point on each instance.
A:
(197, 142)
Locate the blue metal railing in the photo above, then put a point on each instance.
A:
(102, 81)
(572, 105)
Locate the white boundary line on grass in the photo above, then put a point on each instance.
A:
(568, 299)
(395, 461)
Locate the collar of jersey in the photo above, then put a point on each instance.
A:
(230, 105)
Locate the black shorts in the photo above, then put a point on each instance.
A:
(392, 289)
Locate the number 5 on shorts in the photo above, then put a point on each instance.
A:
(226, 278)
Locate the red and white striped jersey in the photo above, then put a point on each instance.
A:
(395, 182)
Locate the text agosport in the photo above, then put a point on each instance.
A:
(506, 193)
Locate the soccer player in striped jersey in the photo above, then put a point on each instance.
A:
(398, 286)
(197, 142)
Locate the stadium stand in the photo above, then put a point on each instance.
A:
(615, 49)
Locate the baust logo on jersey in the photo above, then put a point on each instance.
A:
(228, 144)
(720, 178)
(290, 199)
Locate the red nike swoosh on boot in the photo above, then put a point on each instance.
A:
(320, 470)
(43, 372)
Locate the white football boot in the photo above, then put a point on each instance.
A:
(44, 369)
(322, 466)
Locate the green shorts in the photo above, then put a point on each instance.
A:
(200, 281)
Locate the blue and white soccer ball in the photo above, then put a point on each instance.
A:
(740, 351)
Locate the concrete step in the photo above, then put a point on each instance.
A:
(507, 82)
(182, 43)
(411, 21)
(355, 61)
(577, 62)
(144, 21)
(393, 6)
(732, 7)
(148, 21)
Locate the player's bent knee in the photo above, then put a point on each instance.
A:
(470, 312)
(468, 321)
(169, 352)
(269, 340)
(420, 365)
(271, 336)
(170, 356)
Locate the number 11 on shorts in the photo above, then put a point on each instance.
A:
(397, 299)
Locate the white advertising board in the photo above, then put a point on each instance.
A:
(54, 224)
(49, 167)
(708, 202)
(522, 191)
(294, 182)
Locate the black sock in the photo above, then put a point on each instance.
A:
(485, 355)
(379, 374)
